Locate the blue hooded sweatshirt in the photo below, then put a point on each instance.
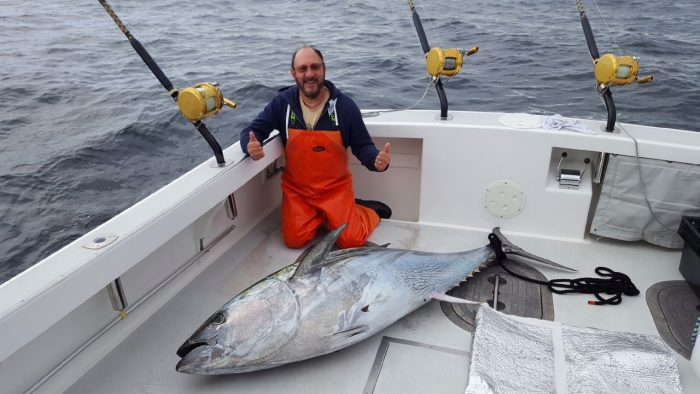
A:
(340, 113)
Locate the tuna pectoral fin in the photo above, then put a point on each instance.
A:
(454, 300)
(351, 332)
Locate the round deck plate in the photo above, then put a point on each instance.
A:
(504, 199)
(521, 121)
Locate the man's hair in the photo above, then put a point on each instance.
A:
(307, 46)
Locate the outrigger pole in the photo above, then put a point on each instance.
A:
(201, 101)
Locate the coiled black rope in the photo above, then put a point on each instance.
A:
(613, 283)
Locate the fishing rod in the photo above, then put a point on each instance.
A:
(438, 61)
(195, 103)
(609, 70)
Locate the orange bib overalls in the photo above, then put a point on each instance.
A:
(317, 187)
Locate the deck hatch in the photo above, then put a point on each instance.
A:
(389, 372)
(673, 305)
(516, 296)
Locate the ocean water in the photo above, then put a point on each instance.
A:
(86, 130)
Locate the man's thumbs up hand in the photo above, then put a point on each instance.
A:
(255, 149)
(383, 158)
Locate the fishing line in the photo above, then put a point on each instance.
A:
(641, 180)
(607, 27)
(411, 62)
(420, 61)
(430, 22)
(376, 113)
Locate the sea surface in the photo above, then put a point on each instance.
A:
(86, 130)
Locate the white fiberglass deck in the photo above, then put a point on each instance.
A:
(424, 351)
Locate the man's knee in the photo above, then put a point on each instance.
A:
(295, 242)
(295, 238)
(348, 240)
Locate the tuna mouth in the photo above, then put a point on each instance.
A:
(189, 346)
(203, 336)
(192, 361)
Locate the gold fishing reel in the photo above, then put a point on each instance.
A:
(446, 62)
(618, 70)
(202, 100)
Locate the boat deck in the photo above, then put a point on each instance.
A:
(423, 352)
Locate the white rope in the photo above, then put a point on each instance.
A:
(558, 122)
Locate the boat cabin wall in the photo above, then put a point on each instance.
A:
(473, 171)
(478, 177)
(399, 186)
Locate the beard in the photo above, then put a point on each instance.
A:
(310, 92)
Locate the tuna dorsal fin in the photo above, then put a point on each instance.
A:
(317, 255)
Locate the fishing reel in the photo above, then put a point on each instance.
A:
(446, 62)
(618, 70)
(195, 103)
(202, 100)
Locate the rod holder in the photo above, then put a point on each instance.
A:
(231, 209)
(117, 296)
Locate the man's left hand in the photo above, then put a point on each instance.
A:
(383, 158)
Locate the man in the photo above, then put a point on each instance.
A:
(318, 123)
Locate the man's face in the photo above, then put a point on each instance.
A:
(309, 72)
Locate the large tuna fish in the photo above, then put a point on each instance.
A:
(327, 301)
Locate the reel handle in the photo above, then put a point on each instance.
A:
(230, 103)
(645, 79)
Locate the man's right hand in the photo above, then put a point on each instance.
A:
(255, 149)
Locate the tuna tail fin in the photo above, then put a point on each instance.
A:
(502, 246)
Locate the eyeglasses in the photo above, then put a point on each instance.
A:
(316, 67)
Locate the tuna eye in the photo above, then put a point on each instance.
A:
(218, 318)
